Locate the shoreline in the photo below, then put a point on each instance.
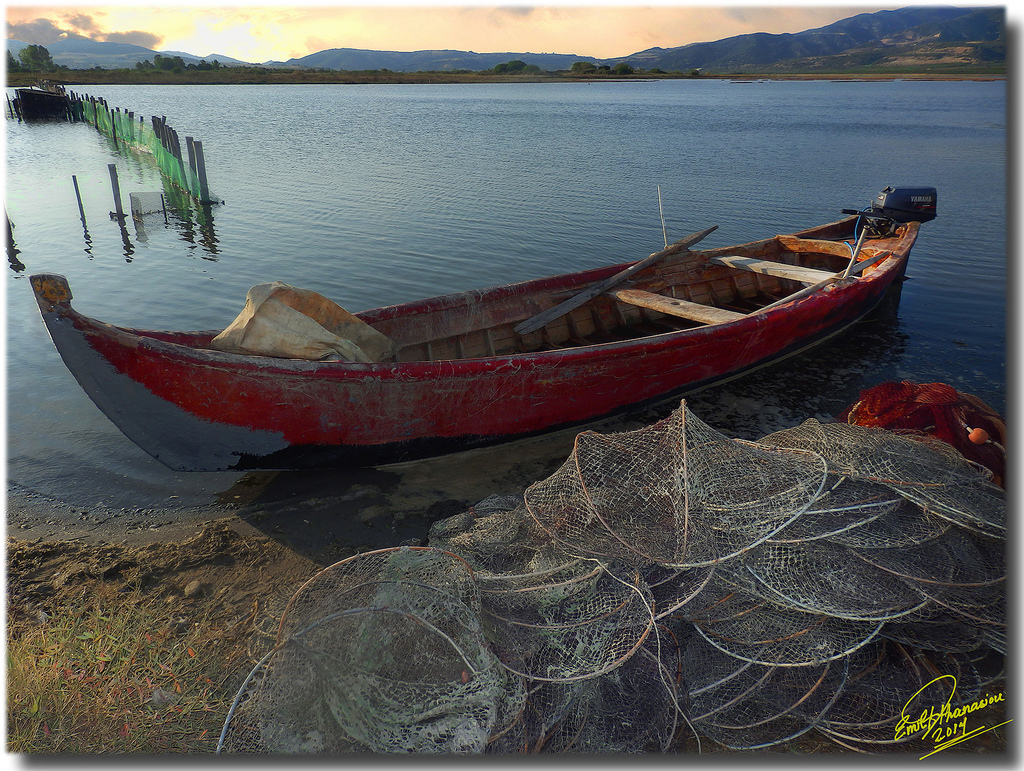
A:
(341, 77)
(323, 515)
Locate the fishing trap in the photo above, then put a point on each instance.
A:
(666, 589)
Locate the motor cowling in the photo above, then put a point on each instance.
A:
(906, 204)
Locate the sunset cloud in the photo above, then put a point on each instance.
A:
(41, 32)
(135, 37)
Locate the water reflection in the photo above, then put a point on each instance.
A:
(191, 221)
(88, 238)
(194, 223)
(819, 383)
(12, 250)
(129, 248)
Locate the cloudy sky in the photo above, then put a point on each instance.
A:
(257, 33)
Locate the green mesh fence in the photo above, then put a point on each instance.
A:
(185, 170)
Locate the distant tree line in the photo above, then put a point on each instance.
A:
(176, 64)
(580, 68)
(34, 60)
(514, 66)
(622, 68)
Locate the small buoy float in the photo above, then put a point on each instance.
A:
(978, 435)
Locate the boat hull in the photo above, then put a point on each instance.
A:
(198, 409)
(36, 104)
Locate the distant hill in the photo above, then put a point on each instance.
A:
(926, 36)
(415, 61)
(923, 38)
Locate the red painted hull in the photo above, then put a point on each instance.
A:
(200, 409)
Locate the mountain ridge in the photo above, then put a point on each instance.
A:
(876, 36)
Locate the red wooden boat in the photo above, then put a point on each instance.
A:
(472, 369)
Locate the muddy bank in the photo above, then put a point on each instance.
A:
(325, 514)
(241, 559)
(322, 515)
(312, 511)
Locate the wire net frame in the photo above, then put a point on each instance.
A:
(746, 592)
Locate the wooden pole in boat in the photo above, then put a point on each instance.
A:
(855, 252)
(78, 195)
(112, 167)
(544, 317)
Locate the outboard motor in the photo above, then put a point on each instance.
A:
(906, 204)
(896, 205)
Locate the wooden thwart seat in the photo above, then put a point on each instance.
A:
(777, 269)
(675, 307)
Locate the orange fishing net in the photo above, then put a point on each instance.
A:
(938, 410)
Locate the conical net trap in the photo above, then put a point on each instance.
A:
(666, 588)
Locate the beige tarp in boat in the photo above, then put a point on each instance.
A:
(286, 322)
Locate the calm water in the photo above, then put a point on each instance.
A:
(374, 195)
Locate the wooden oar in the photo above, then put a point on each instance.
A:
(544, 317)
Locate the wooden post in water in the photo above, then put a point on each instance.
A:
(181, 163)
(176, 147)
(78, 195)
(190, 146)
(112, 167)
(204, 190)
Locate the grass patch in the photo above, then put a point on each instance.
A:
(117, 672)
